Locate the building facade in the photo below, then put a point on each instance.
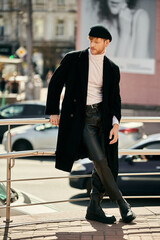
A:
(53, 30)
(143, 89)
(137, 54)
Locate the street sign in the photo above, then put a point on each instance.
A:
(21, 52)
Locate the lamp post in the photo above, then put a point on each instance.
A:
(30, 84)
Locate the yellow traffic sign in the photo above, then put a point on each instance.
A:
(21, 52)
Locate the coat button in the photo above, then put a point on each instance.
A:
(71, 115)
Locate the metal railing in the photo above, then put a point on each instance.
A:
(12, 155)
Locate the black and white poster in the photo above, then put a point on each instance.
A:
(132, 26)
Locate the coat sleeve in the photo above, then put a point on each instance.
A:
(55, 87)
(116, 98)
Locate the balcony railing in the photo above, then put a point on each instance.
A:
(10, 156)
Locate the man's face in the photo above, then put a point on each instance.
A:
(97, 45)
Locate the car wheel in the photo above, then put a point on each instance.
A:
(88, 186)
(22, 145)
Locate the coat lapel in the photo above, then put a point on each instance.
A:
(106, 78)
(83, 72)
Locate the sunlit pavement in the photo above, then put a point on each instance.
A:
(73, 226)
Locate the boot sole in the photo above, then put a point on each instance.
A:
(102, 220)
(129, 219)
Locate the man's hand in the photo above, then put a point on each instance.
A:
(114, 134)
(54, 120)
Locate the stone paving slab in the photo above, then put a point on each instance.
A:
(73, 226)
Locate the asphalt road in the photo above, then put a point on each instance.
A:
(48, 190)
(54, 190)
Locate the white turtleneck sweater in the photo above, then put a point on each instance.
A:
(95, 80)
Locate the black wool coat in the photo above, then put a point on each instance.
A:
(73, 73)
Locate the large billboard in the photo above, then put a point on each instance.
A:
(132, 26)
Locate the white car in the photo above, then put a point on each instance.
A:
(130, 133)
(32, 137)
(44, 136)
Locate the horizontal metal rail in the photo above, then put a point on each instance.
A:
(78, 176)
(12, 155)
(33, 153)
(73, 200)
(139, 152)
(141, 119)
(23, 121)
(46, 120)
(29, 153)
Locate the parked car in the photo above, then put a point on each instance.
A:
(130, 133)
(129, 185)
(32, 137)
(44, 136)
(26, 109)
(22, 198)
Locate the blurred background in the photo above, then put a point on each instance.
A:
(36, 34)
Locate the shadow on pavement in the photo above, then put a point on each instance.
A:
(39, 158)
(81, 203)
(95, 230)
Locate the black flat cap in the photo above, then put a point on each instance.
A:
(100, 31)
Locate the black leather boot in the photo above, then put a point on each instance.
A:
(125, 211)
(94, 210)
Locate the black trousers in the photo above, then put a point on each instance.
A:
(94, 140)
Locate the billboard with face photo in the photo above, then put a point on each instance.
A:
(132, 25)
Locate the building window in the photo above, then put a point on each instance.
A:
(60, 28)
(39, 2)
(39, 28)
(60, 2)
(9, 4)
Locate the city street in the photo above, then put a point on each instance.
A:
(47, 190)
(54, 190)
(58, 190)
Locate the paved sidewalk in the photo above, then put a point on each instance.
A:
(73, 226)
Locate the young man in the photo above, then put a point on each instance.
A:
(89, 119)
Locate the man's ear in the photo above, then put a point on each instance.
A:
(107, 42)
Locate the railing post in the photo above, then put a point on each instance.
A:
(8, 179)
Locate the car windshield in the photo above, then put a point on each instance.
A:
(3, 194)
(140, 158)
(45, 126)
(11, 111)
